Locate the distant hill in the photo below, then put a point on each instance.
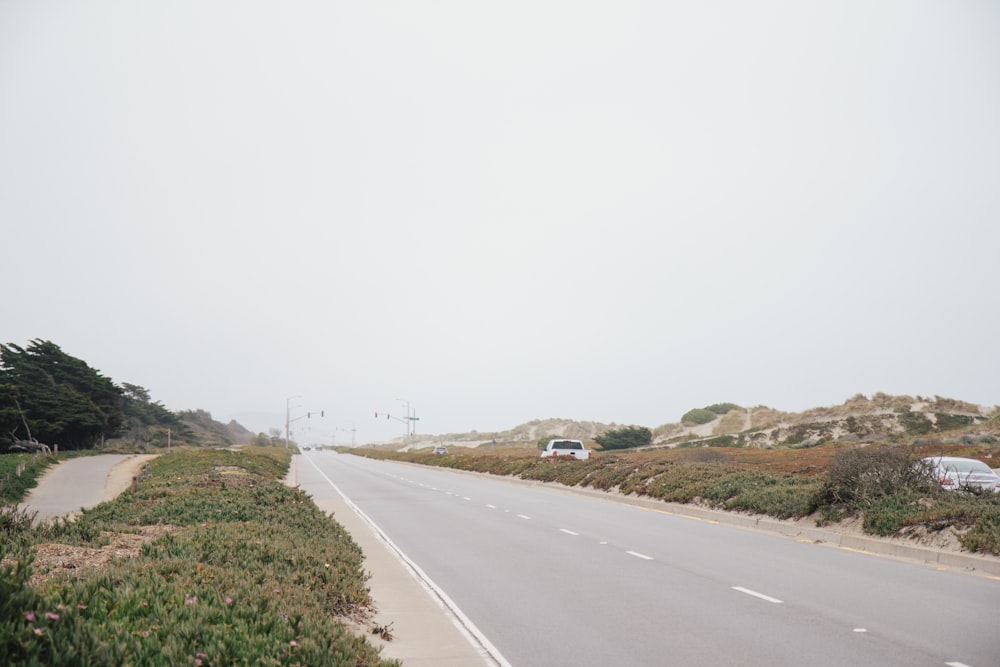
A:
(207, 432)
(882, 417)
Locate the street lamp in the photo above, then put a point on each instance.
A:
(287, 420)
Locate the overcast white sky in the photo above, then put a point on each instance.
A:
(504, 211)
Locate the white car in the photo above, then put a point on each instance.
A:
(953, 473)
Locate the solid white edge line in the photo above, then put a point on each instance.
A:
(639, 555)
(458, 617)
(956, 664)
(757, 595)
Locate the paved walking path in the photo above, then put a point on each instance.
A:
(75, 484)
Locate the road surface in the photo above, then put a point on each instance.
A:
(543, 577)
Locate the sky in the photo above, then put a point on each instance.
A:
(483, 213)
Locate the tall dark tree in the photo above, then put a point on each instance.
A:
(59, 398)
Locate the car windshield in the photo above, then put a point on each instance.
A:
(568, 444)
(966, 466)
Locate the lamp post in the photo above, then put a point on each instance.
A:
(287, 412)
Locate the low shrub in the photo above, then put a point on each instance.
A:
(860, 476)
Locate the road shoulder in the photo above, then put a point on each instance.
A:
(424, 631)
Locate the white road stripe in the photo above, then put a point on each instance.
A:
(568, 532)
(956, 664)
(522, 516)
(472, 633)
(466, 498)
(492, 507)
(756, 594)
(639, 555)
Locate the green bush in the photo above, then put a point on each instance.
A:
(698, 416)
(628, 437)
(722, 408)
(984, 536)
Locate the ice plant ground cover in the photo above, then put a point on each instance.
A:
(233, 568)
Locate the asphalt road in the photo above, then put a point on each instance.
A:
(552, 578)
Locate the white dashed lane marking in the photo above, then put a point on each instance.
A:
(639, 555)
(757, 595)
(568, 532)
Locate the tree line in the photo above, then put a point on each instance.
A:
(48, 397)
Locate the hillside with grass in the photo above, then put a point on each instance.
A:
(859, 419)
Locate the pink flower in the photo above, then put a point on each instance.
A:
(144, 633)
(81, 607)
(203, 525)
(229, 600)
(277, 590)
(197, 661)
(193, 599)
(38, 631)
(293, 643)
(29, 616)
(201, 655)
(52, 616)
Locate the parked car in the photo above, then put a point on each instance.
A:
(562, 447)
(953, 473)
(440, 449)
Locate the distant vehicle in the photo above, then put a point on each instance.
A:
(572, 448)
(440, 449)
(954, 473)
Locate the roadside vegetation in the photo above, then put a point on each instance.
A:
(881, 484)
(19, 473)
(212, 561)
